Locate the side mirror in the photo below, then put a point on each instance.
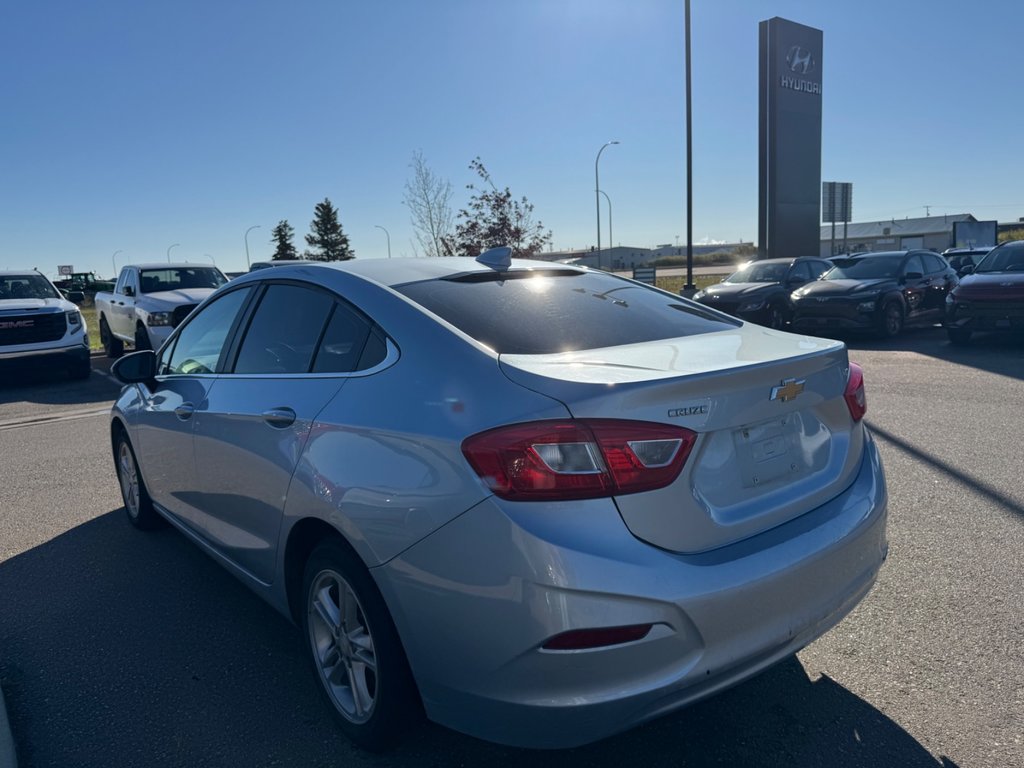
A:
(135, 368)
(913, 276)
(129, 290)
(796, 280)
(965, 270)
(76, 297)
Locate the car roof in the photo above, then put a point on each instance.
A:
(173, 265)
(967, 251)
(393, 272)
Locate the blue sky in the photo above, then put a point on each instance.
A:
(130, 126)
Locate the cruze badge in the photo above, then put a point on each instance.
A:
(788, 390)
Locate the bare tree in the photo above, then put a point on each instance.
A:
(428, 198)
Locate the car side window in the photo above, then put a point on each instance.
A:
(284, 330)
(346, 345)
(933, 264)
(819, 268)
(914, 265)
(801, 271)
(199, 344)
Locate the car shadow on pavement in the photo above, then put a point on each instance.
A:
(991, 493)
(993, 352)
(121, 648)
(55, 388)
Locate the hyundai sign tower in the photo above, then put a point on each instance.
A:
(789, 176)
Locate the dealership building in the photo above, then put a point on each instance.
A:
(935, 233)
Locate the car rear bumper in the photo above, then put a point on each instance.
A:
(475, 602)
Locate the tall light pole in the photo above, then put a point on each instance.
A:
(246, 238)
(378, 226)
(690, 287)
(113, 260)
(611, 243)
(169, 251)
(597, 197)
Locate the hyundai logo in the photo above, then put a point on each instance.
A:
(800, 60)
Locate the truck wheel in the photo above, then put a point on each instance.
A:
(113, 346)
(141, 338)
(137, 504)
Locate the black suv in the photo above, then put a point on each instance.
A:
(878, 292)
(759, 291)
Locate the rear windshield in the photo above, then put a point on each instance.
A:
(535, 313)
(866, 268)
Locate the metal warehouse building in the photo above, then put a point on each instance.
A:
(932, 232)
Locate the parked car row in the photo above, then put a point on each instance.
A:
(881, 292)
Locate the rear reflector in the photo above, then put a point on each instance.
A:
(580, 639)
(578, 459)
(856, 397)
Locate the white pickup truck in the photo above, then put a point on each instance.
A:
(149, 301)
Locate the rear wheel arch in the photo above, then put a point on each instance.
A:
(303, 538)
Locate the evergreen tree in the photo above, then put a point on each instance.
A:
(282, 239)
(326, 237)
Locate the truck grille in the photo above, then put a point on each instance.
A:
(180, 313)
(32, 328)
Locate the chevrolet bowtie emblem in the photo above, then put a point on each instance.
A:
(788, 390)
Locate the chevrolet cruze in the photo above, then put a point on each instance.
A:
(539, 503)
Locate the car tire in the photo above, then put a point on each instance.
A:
(892, 320)
(776, 317)
(113, 346)
(959, 336)
(354, 650)
(141, 338)
(137, 503)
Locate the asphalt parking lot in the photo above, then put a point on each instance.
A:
(119, 648)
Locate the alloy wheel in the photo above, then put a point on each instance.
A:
(129, 480)
(343, 646)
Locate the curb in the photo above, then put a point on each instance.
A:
(8, 759)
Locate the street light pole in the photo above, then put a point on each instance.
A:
(597, 197)
(246, 237)
(169, 251)
(378, 226)
(690, 287)
(113, 260)
(611, 242)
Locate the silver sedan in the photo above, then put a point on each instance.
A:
(541, 504)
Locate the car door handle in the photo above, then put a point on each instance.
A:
(185, 411)
(279, 418)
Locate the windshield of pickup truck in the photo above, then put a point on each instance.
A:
(26, 287)
(177, 278)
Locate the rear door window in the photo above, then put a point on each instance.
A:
(540, 312)
(285, 330)
(347, 345)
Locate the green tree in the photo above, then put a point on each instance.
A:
(282, 239)
(494, 218)
(326, 237)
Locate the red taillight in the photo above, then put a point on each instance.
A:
(579, 639)
(578, 459)
(856, 398)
